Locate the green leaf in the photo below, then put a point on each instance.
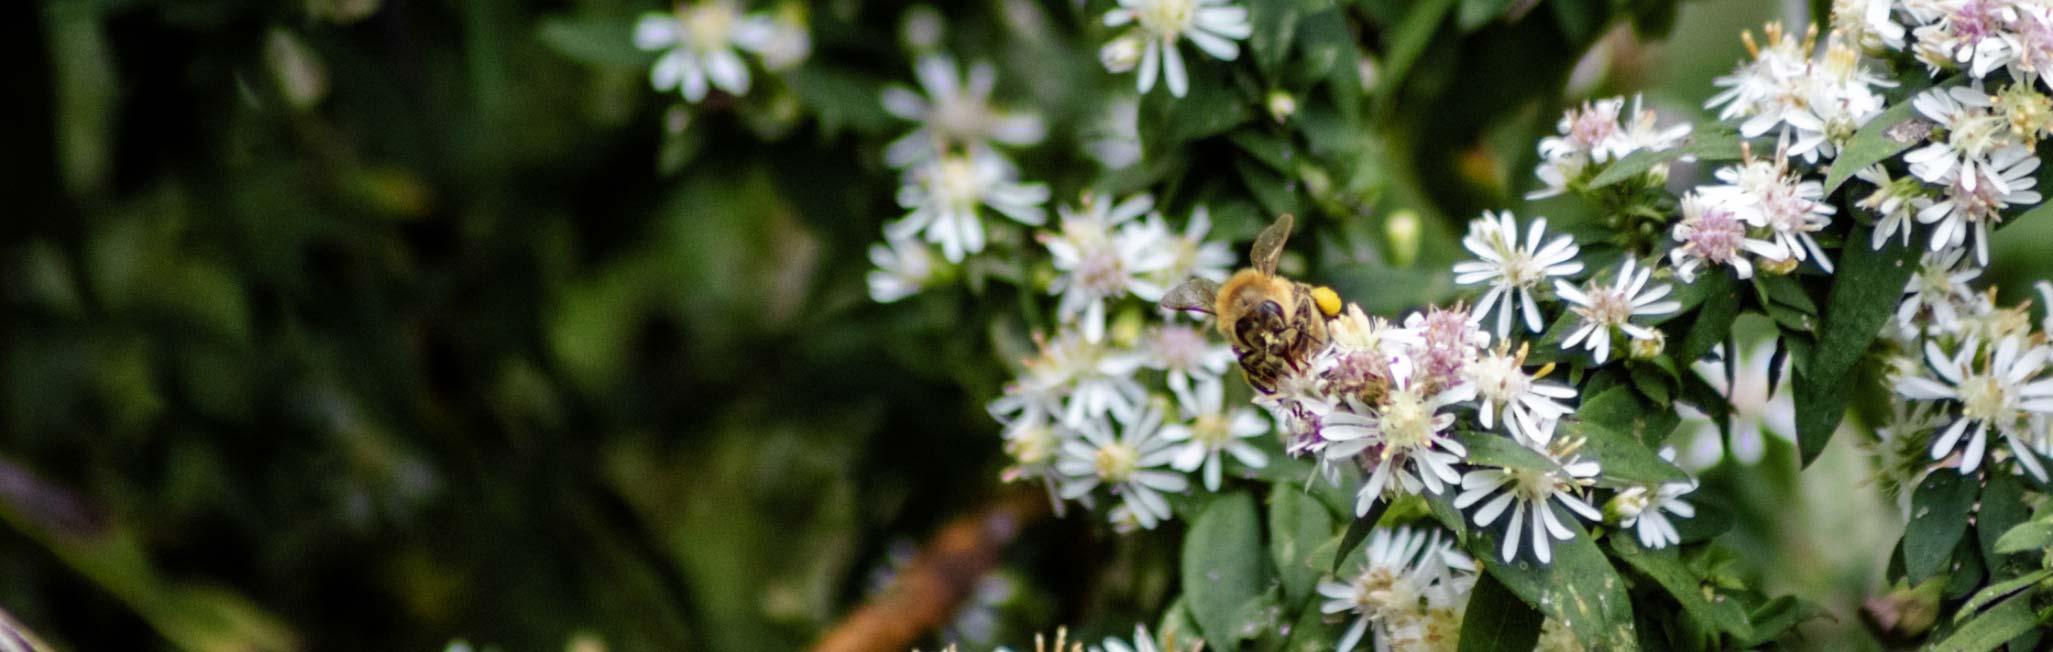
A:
(1475, 14)
(1298, 524)
(1939, 508)
(1312, 633)
(1492, 449)
(1999, 591)
(1387, 290)
(1870, 145)
(1713, 319)
(1407, 40)
(1579, 587)
(1786, 291)
(1667, 570)
(1497, 620)
(1275, 26)
(1625, 459)
(1222, 566)
(2033, 535)
(841, 98)
(1992, 628)
(2002, 508)
(595, 41)
(1712, 144)
(1621, 409)
(1777, 617)
(1865, 292)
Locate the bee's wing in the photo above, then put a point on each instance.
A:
(1269, 245)
(1198, 294)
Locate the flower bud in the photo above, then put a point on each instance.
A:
(1778, 266)
(1123, 54)
(1281, 105)
(1402, 230)
(1648, 348)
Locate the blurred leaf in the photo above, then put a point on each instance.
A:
(1475, 14)
(595, 41)
(1358, 531)
(1222, 566)
(1406, 41)
(2012, 618)
(1939, 509)
(1275, 25)
(2031, 535)
(1497, 620)
(1297, 525)
(842, 99)
(1388, 291)
(1777, 617)
(1999, 591)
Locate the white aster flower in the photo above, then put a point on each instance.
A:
(1402, 442)
(699, 44)
(1760, 90)
(904, 267)
(1771, 195)
(1405, 572)
(1899, 448)
(1974, 136)
(1128, 463)
(1214, 429)
(1103, 256)
(1640, 509)
(1115, 140)
(1032, 441)
(1074, 379)
(1936, 294)
(1895, 202)
(790, 43)
(1711, 233)
(1211, 25)
(2030, 40)
(946, 196)
(955, 113)
(2007, 179)
(1967, 33)
(1599, 131)
(1867, 23)
(1528, 406)
(1531, 495)
(1194, 255)
(1513, 269)
(1191, 359)
(1994, 387)
(1605, 309)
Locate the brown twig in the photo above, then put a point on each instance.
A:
(937, 581)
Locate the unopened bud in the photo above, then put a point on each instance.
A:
(1123, 54)
(1402, 230)
(1778, 267)
(1648, 348)
(1281, 105)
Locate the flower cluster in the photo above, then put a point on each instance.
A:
(1412, 587)
(1155, 29)
(701, 46)
(1596, 133)
(1126, 411)
(1973, 379)
(1817, 103)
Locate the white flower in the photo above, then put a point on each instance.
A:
(1596, 133)
(1527, 406)
(1194, 255)
(1818, 104)
(1115, 140)
(1405, 571)
(698, 44)
(1935, 294)
(1032, 441)
(945, 197)
(1972, 33)
(1191, 359)
(1532, 492)
(1758, 408)
(1513, 269)
(2030, 40)
(1867, 23)
(1127, 462)
(1762, 89)
(1214, 429)
(1103, 257)
(1974, 137)
(1712, 233)
(789, 43)
(1640, 508)
(1212, 25)
(1895, 201)
(1605, 309)
(1771, 195)
(955, 113)
(903, 268)
(1074, 379)
(1994, 387)
(2007, 179)
(1899, 448)
(1403, 441)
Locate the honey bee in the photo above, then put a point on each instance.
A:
(1275, 324)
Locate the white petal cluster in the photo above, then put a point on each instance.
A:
(954, 113)
(1817, 103)
(701, 46)
(1604, 309)
(1157, 29)
(1410, 583)
(1513, 270)
(945, 200)
(1597, 133)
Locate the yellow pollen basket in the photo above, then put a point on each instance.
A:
(1328, 300)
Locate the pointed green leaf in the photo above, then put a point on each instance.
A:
(1999, 591)
(1222, 566)
(1712, 144)
(1993, 628)
(2032, 535)
(1667, 570)
(1939, 508)
(1298, 524)
(1497, 620)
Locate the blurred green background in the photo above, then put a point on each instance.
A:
(349, 324)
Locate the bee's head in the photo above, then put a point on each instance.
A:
(1263, 319)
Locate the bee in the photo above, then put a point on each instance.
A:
(1275, 324)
